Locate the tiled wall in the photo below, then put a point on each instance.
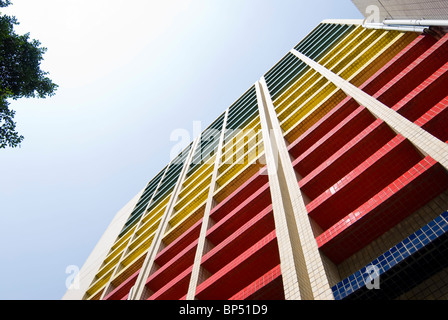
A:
(395, 235)
(408, 9)
(434, 288)
(405, 265)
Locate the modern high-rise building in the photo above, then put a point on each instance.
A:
(327, 179)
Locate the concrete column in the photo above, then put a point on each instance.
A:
(301, 265)
(423, 140)
(197, 272)
(148, 264)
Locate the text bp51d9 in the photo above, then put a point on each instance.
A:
(254, 309)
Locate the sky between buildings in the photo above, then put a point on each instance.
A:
(129, 73)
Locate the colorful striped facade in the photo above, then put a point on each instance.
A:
(333, 162)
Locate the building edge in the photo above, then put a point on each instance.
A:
(88, 271)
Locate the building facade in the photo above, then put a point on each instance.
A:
(327, 179)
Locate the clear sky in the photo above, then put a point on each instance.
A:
(129, 74)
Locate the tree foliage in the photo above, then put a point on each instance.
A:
(20, 75)
(4, 3)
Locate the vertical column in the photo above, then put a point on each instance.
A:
(108, 287)
(197, 271)
(148, 264)
(422, 139)
(302, 269)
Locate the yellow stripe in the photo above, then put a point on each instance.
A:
(123, 238)
(188, 207)
(201, 185)
(243, 175)
(147, 230)
(99, 284)
(238, 145)
(381, 58)
(353, 44)
(303, 94)
(155, 211)
(359, 60)
(309, 77)
(108, 266)
(125, 272)
(116, 251)
(204, 169)
(174, 232)
(334, 54)
(239, 135)
(139, 250)
(356, 40)
(314, 115)
(232, 169)
(306, 106)
(351, 61)
(343, 43)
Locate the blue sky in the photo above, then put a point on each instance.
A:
(129, 74)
